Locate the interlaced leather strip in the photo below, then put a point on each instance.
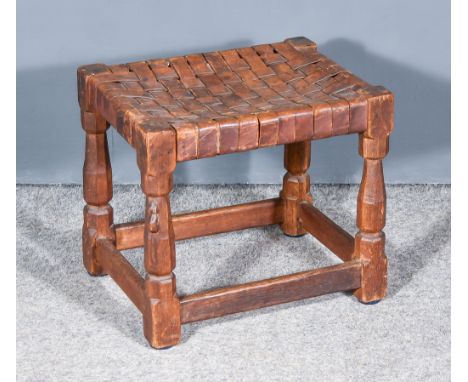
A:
(238, 99)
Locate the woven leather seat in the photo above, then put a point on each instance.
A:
(233, 100)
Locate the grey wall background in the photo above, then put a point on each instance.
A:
(404, 45)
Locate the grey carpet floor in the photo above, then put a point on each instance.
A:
(73, 327)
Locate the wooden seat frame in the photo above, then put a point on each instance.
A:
(364, 267)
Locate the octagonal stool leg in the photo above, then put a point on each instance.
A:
(161, 317)
(369, 243)
(97, 190)
(371, 205)
(296, 186)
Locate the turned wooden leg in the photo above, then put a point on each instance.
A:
(296, 185)
(97, 190)
(370, 240)
(161, 317)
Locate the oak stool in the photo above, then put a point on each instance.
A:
(201, 105)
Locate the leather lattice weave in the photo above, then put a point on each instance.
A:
(234, 100)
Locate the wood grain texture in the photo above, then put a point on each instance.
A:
(325, 230)
(226, 219)
(97, 183)
(371, 208)
(279, 290)
(296, 186)
(97, 171)
(371, 205)
(97, 223)
(122, 272)
(370, 240)
(156, 159)
(207, 222)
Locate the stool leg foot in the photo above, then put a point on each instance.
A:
(161, 319)
(296, 186)
(97, 190)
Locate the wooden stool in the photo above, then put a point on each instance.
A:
(202, 105)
